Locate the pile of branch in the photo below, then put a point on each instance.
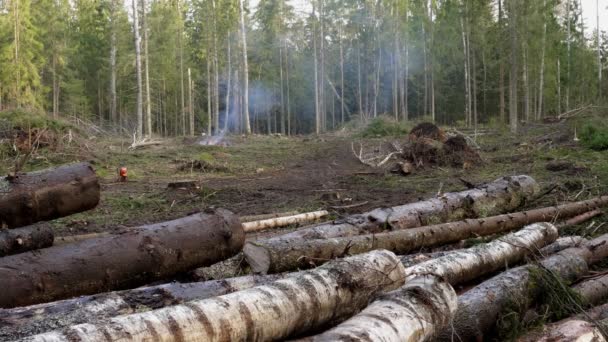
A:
(143, 142)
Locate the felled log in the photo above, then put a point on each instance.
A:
(480, 308)
(570, 330)
(583, 217)
(48, 194)
(593, 291)
(251, 218)
(19, 240)
(279, 255)
(562, 243)
(306, 301)
(410, 313)
(427, 302)
(21, 322)
(283, 221)
(119, 261)
(502, 195)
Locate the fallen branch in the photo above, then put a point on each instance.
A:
(279, 255)
(119, 261)
(283, 221)
(143, 143)
(303, 302)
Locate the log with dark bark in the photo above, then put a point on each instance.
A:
(280, 255)
(119, 261)
(480, 308)
(21, 322)
(503, 195)
(593, 291)
(303, 302)
(48, 194)
(19, 240)
(427, 302)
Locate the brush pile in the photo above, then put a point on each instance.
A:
(371, 276)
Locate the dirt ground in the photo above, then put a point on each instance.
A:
(269, 174)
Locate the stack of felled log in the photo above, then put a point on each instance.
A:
(372, 276)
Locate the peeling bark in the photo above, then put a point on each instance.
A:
(279, 254)
(120, 261)
(20, 240)
(304, 302)
(48, 194)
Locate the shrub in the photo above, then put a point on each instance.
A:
(595, 136)
(384, 127)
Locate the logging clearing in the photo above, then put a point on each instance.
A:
(487, 236)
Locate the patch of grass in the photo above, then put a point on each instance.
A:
(384, 127)
(594, 135)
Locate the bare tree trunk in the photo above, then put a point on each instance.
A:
(209, 96)
(181, 68)
(559, 88)
(341, 78)
(160, 251)
(282, 119)
(527, 111)
(317, 92)
(467, 95)
(139, 104)
(322, 66)
(245, 71)
(541, 86)
(289, 128)
(351, 281)
(360, 97)
(599, 55)
(513, 116)
(144, 27)
(190, 103)
(568, 56)
(228, 88)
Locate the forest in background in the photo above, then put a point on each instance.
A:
(183, 67)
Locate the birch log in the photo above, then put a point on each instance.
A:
(21, 322)
(119, 261)
(307, 301)
(428, 302)
(593, 291)
(19, 240)
(480, 308)
(48, 194)
(589, 326)
(279, 255)
(283, 221)
(502, 195)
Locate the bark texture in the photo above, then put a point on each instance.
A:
(503, 195)
(306, 301)
(593, 291)
(409, 314)
(279, 255)
(120, 261)
(40, 318)
(481, 307)
(570, 330)
(49, 194)
(14, 241)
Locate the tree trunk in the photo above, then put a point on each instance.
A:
(139, 102)
(47, 194)
(283, 254)
(40, 318)
(599, 51)
(120, 261)
(514, 70)
(303, 302)
(190, 104)
(341, 77)
(144, 27)
(317, 93)
(209, 97)
(15, 241)
(562, 243)
(593, 291)
(245, 72)
(541, 85)
(113, 50)
(571, 330)
(481, 307)
(502, 195)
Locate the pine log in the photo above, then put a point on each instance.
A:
(21, 322)
(119, 261)
(35, 319)
(593, 291)
(562, 243)
(502, 195)
(582, 218)
(480, 308)
(48, 194)
(570, 330)
(304, 302)
(280, 255)
(20, 240)
(427, 302)
(260, 217)
(283, 221)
